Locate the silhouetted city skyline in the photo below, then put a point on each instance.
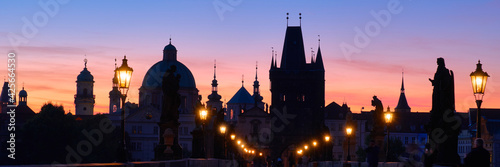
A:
(416, 33)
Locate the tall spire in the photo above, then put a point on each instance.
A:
(276, 59)
(403, 82)
(319, 58)
(272, 58)
(215, 67)
(312, 56)
(256, 92)
(115, 80)
(256, 67)
(242, 80)
(214, 81)
(402, 103)
(214, 98)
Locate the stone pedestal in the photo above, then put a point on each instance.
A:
(165, 151)
(381, 144)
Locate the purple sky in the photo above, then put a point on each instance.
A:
(51, 42)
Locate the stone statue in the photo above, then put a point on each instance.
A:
(444, 125)
(171, 99)
(168, 147)
(378, 117)
(377, 134)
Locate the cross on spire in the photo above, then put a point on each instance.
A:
(287, 19)
(215, 67)
(300, 19)
(85, 60)
(242, 80)
(256, 66)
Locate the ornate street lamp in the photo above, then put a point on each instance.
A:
(203, 115)
(222, 129)
(388, 119)
(203, 118)
(478, 79)
(348, 131)
(315, 155)
(233, 136)
(326, 156)
(123, 74)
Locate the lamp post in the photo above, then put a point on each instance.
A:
(478, 79)
(327, 142)
(222, 129)
(348, 132)
(388, 119)
(314, 144)
(203, 118)
(123, 74)
(231, 150)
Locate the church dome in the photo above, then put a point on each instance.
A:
(85, 76)
(170, 47)
(154, 76)
(23, 93)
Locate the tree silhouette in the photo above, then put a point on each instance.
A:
(55, 137)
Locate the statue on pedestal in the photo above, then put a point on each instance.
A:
(443, 128)
(377, 134)
(168, 147)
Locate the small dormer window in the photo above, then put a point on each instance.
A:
(412, 128)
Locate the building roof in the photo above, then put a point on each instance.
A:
(85, 76)
(242, 96)
(170, 46)
(335, 111)
(293, 56)
(23, 93)
(402, 103)
(5, 92)
(24, 110)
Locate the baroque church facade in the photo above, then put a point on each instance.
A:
(141, 122)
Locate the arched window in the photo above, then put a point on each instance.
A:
(85, 91)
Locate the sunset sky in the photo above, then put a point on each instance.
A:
(51, 39)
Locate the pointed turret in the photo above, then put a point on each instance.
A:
(402, 103)
(273, 65)
(256, 92)
(319, 59)
(214, 98)
(114, 95)
(293, 56)
(312, 56)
